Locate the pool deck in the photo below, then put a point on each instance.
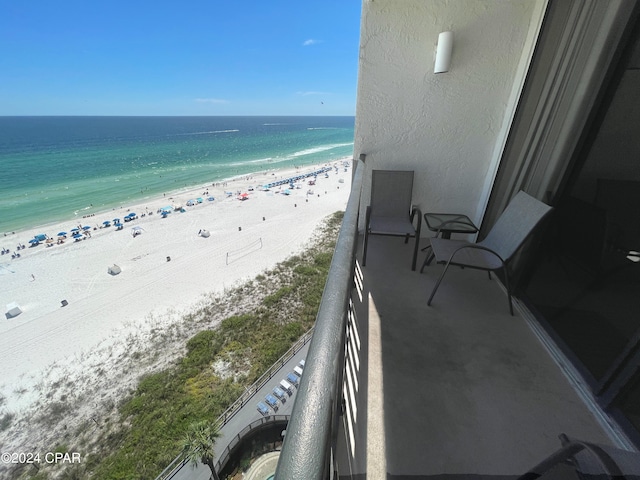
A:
(264, 467)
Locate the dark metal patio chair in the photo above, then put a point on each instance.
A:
(588, 461)
(493, 253)
(390, 211)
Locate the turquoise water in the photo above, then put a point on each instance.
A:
(55, 168)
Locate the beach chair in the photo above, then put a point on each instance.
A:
(272, 401)
(293, 378)
(513, 227)
(263, 409)
(390, 211)
(278, 392)
(287, 387)
(581, 460)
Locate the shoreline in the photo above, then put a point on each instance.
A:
(166, 272)
(6, 236)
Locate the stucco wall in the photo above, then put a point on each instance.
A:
(448, 127)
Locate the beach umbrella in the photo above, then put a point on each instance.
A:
(86, 227)
(77, 235)
(76, 229)
(116, 220)
(62, 234)
(34, 240)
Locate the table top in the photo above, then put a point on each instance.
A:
(449, 222)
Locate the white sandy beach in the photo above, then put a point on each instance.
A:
(246, 237)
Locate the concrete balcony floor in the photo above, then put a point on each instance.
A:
(458, 390)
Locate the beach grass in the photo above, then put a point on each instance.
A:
(138, 436)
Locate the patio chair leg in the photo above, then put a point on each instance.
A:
(433, 292)
(427, 259)
(415, 253)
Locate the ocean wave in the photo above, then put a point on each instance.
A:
(322, 148)
(77, 212)
(247, 162)
(204, 133)
(322, 128)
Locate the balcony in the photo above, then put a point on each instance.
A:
(461, 387)
(396, 389)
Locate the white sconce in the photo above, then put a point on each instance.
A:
(443, 52)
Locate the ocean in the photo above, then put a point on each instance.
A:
(58, 168)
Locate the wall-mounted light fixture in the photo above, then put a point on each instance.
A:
(443, 52)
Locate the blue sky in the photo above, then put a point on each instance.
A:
(189, 57)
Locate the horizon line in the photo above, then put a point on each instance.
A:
(238, 115)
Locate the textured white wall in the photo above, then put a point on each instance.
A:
(448, 127)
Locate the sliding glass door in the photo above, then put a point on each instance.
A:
(581, 153)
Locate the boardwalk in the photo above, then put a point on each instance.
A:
(243, 417)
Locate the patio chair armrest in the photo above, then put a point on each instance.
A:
(476, 247)
(415, 209)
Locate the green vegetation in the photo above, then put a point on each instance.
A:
(199, 444)
(151, 424)
(5, 421)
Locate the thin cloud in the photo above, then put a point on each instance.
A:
(212, 100)
(311, 41)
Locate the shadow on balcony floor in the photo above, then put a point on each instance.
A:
(460, 389)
